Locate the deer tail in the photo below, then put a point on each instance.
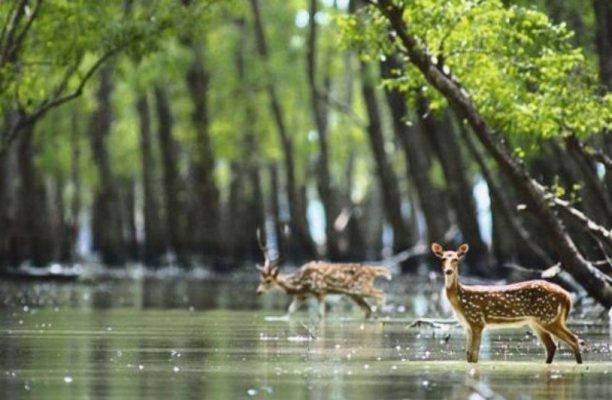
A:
(382, 271)
(566, 307)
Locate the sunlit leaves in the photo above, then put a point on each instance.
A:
(520, 69)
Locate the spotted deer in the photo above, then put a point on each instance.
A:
(318, 279)
(541, 305)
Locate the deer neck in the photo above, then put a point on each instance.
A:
(287, 283)
(453, 287)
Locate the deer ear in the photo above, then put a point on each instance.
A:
(462, 250)
(437, 250)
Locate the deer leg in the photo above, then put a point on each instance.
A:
(321, 299)
(378, 295)
(548, 342)
(295, 305)
(568, 337)
(362, 304)
(473, 343)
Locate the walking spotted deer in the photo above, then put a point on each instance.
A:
(318, 279)
(541, 305)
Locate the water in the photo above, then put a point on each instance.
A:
(171, 338)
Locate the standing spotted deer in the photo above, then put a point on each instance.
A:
(318, 279)
(541, 305)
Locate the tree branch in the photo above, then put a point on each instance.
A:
(587, 223)
(342, 107)
(56, 100)
(26, 28)
(6, 25)
(590, 152)
(9, 33)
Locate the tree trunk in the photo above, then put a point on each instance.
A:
(603, 40)
(129, 219)
(255, 212)
(302, 245)
(154, 242)
(582, 270)
(108, 234)
(352, 245)
(75, 176)
(418, 164)
(172, 188)
(207, 207)
(392, 203)
(443, 138)
(236, 213)
(503, 210)
(6, 196)
(33, 207)
(319, 113)
(592, 189)
(275, 210)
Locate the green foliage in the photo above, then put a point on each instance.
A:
(66, 38)
(521, 70)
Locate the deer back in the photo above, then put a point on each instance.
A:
(323, 277)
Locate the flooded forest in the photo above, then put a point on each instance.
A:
(202, 198)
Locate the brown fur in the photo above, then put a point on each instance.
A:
(318, 279)
(542, 305)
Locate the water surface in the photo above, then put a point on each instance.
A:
(175, 338)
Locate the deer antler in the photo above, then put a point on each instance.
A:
(264, 250)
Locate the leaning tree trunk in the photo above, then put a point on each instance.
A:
(443, 138)
(303, 243)
(108, 226)
(573, 262)
(418, 164)
(319, 113)
(171, 184)
(207, 204)
(392, 203)
(154, 243)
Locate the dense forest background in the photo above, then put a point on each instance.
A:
(169, 131)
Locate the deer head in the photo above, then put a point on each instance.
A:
(268, 273)
(450, 259)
